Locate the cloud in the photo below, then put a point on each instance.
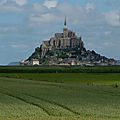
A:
(17, 2)
(80, 14)
(12, 5)
(42, 14)
(21, 2)
(113, 18)
(42, 18)
(50, 3)
(38, 7)
(90, 7)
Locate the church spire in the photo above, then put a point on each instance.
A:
(65, 22)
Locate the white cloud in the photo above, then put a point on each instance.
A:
(12, 5)
(43, 18)
(90, 7)
(113, 18)
(50, 3)
(78, 13)
(17, 2)
(21, 2)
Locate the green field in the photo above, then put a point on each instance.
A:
(59, 96)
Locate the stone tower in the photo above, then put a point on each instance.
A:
(65, 34)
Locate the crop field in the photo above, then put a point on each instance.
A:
(59, 96)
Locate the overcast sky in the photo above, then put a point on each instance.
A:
(24, 24)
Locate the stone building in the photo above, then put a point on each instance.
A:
(65, 40)
(34, 62)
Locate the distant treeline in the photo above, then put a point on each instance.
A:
(57, 69)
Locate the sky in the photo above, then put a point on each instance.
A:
(24, 24)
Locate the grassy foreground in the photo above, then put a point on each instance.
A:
(59, 96)
(60, 93)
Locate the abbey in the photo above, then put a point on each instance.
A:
(66, 48)
(66, 40)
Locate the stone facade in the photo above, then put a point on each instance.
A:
(65, 40)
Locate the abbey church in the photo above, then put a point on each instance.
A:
(65, 40)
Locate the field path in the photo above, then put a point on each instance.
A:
(54, 103)
(44, 104)
(24, 100)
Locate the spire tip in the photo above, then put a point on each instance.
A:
(65, 23)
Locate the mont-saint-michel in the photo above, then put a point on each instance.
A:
(66, 48)
(66, 60)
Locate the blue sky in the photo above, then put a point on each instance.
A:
(24, 24)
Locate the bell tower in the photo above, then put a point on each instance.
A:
(65, 29)
(65, 33)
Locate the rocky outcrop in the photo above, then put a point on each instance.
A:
(67, 49)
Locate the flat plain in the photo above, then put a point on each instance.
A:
(59, 96)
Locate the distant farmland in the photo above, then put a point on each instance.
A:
(62, 69)
(59, 96)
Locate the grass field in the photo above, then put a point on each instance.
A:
(59, 96)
